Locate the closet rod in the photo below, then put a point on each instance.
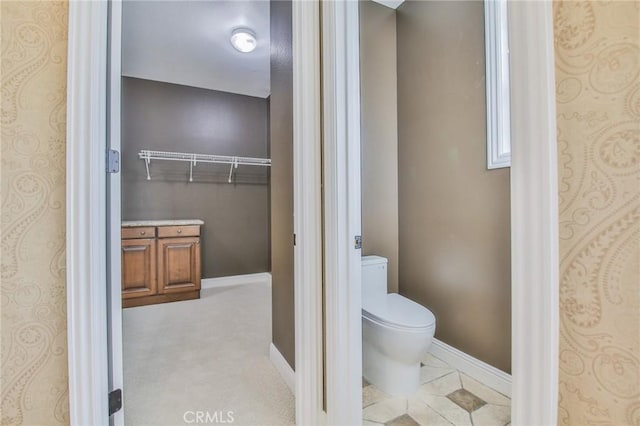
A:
(203, 158)
(193, 159)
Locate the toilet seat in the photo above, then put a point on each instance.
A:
(396, 311)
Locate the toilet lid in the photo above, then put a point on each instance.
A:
(398, 311)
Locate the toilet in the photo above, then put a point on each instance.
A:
(396, 333)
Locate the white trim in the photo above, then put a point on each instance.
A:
(534, 216)
(283, 368)
(114, 214)
(497, 82)
(472, 367)
(307, 212)
(341, 120)
(234, 280)
(86, 214)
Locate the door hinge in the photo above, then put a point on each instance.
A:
(294, 239)
(113, 161)
(115, 401)
(358, 242)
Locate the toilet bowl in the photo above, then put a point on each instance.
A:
(396, 333)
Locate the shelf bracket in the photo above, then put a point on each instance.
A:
(234, 165)
(146, 163)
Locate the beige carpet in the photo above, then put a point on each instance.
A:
(209, 355)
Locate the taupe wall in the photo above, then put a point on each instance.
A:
(170, 117)
(453, 212)
(282, 180)
(379, 118)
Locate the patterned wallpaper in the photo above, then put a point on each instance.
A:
(598, 113)
(33, 299)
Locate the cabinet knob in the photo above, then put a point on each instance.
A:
(179, 231)
(143, 232)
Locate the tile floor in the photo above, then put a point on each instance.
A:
(445, 397)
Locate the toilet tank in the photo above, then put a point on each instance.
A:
(374, 276)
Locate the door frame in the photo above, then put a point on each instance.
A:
(86, 221)
(534, 211)
(535, 261)
(307, 207)
(89, 333)
(342, 211)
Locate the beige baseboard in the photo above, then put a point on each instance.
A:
(472, 367)
(283, 367)
(261, 277)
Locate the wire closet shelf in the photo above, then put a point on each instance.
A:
(193, 159)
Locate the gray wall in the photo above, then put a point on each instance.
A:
(282, 180)
(454, 213)
(379, 126)
(169, 117)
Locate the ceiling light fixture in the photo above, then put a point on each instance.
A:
(244, 40)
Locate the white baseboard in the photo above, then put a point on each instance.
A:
(472, 367)
(261, 277)
(283, 367)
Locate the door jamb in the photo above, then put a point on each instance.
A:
(342, 195)
(307, 206)
(114, 218)
(534, 216)
(86, 213)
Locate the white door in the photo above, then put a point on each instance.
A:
(114, 265)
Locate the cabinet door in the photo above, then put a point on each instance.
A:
(138, 268)
(178, 265)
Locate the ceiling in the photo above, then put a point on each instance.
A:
(393, 4)
(187, 42)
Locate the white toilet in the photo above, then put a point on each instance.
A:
(396, 333)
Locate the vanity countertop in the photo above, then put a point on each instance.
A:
(171, 222)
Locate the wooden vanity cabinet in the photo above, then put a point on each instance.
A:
(138, 268)
(178, 265)
(160, 264)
